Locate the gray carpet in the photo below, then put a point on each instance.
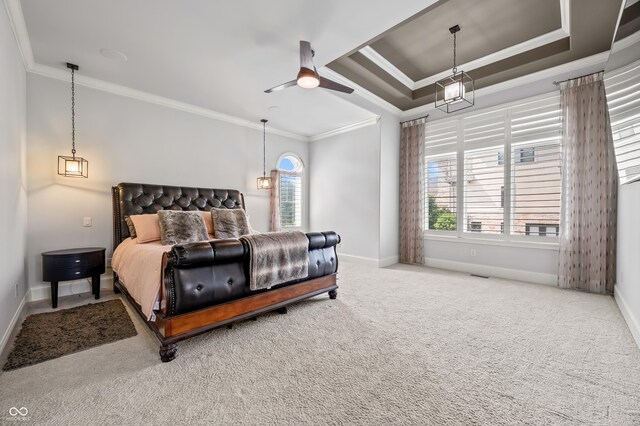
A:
(399, 346)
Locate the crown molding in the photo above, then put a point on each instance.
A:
(345, 129)
(16, 18)
(630, 40)
(549, 73)
(105, 86)
(382, 62)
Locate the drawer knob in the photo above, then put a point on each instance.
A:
(78, 261)
(77, 273)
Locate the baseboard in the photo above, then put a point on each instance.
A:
(388, 261)
(14, 321)
(369, 261)
(493, 271)
(67, 288)
(632, 322)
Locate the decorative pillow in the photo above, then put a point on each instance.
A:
(132, 229)
(230, 223)
(208, 221)
(147, 227)
(179, 227)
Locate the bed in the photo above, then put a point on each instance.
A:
(184, 290)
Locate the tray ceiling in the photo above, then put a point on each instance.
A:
(500, 40)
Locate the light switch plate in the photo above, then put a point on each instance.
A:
(86, 221)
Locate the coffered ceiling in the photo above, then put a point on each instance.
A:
(499, 40)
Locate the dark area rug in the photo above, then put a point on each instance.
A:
(54, 334)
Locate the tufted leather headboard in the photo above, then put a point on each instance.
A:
(140, 198)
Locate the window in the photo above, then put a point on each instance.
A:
(623, 97)
(441, 176)
(290, 190)
(499, 167)
(484, 138)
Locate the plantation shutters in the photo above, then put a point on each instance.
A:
(441, 142)
(623, 97)
(536, 135)
(290, 199)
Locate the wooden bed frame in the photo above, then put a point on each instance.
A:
(171, 329)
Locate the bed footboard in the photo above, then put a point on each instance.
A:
(203, 274)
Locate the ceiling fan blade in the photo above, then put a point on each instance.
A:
(282, 86)
(306, 55)
(332, 85)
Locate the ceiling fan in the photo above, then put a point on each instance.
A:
(308, 77)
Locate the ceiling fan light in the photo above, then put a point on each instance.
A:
(307, 79)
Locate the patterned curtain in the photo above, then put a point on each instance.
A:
(412, 191)
(587, 258)
(274, 204)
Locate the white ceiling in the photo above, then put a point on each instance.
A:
(214, 54)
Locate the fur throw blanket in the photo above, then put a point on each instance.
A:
(276, 258)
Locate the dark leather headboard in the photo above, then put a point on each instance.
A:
(140, 198)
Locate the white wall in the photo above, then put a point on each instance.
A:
(13, 208)
(627, 290)
(126, 140)
(345, 183)
(389, 188)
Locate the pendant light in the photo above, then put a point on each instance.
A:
(456, 91)
(73, 166)
(264, 182)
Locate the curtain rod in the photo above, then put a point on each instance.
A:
(414, 119)
(557, 83)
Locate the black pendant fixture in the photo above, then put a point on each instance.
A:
(264, 182)
(456, 91)
(73, 166)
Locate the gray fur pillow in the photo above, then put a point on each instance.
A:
(179, 227)
(230, 223)
(131, 226)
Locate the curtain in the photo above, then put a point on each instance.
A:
(275, 201)
(412, 191)
(587, 258)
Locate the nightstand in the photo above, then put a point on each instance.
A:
(73, 264)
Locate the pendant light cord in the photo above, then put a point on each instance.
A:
(455, 69)
(264, 148)
(73, 114)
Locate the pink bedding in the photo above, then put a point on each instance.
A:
(139, 268)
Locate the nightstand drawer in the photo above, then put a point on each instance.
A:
(66, 274)
(76, 260)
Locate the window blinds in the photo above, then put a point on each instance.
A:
(441, 145)
(290, 199)
(623, 97)
(536, 136)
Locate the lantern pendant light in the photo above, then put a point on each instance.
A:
(456, 91)
(264, 182)
(73, 166)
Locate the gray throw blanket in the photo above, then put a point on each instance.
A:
(276, 258)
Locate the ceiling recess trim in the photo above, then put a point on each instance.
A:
(544, 39)
(599, 60)
(361, 91)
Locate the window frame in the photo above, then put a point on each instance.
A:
(300, 172)
(505, 238)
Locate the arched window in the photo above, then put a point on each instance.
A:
(291, 168)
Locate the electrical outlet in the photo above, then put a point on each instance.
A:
(472, 252)
(109, 262)
(86, 221)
